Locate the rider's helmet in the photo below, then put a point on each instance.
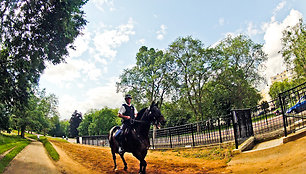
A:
(128, 96)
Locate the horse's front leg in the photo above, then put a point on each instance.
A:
(143, 165)
(125, 164)
(142, 162)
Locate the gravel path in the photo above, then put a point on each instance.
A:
(33, 159)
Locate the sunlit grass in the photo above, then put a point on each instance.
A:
(13, 142)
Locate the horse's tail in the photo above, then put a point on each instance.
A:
(111, 133)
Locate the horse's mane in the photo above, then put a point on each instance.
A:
(140, 113)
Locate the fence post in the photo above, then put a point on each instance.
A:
(193, 144)
(153, 142)
(170, 138)
(219, 130)
(283, 111)
(235, 129)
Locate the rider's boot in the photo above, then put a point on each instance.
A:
(120, 150)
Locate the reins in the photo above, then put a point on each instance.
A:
(132, 121)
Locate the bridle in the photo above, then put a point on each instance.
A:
(148, 112)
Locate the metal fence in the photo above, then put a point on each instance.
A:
(293, 105)
(265, 118)
(214, 130)
(97, 140)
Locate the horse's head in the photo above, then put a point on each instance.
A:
(155, 115)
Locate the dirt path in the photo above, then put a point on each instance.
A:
(33, 159)
(99, 160)
(67, 165)
(287, 158)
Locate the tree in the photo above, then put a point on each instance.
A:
(149, 80)
(193, 65)
(74, 122)
(31, 34)
(278, 87)
(58, 128)
(4, 118)
(84, 125)
(176, 114)
(99, 122)
(294, 47)
(238, 74)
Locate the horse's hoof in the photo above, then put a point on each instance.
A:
(115, 169)
(125, 168)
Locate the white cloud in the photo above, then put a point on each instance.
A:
(141, 41)
(95, 98)
(279, 7)
(251, 30)
(81, 44)
(70, 71)
(102, 4)
(273, 34)
(221, 21)
(161, 33)
(109, 40)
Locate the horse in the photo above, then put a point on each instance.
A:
(136, 140)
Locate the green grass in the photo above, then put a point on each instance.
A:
(215, 153)
(48, 146)
(58, 139)
(31, 136)
(50, 149)
(9, 142)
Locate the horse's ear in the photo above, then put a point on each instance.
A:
(152, 104)
(157, 104)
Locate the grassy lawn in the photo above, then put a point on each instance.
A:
(10, 142)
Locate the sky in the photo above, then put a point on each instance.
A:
(116, 29)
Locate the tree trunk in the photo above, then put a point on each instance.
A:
(23, 131)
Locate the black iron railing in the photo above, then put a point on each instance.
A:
(265, 118)
(293, 105)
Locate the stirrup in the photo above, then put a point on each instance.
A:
(120, 150)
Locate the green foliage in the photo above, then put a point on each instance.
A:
(4, 118)
(50, 149)
(35, 115)
(196, 81)
(74, 123)
(176, 114)
(149, 80)
(58, 128)
(99, 122)
(294, 48)
(194, 66)
(279, 87)
(32, 33)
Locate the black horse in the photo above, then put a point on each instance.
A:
(136, 140)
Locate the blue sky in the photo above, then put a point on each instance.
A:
(116, 30)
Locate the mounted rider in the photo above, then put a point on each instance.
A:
(127, 112)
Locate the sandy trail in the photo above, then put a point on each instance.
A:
(33, 159)
(287, 158)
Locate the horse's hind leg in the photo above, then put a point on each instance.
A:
(114, 158)
(125, 164)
